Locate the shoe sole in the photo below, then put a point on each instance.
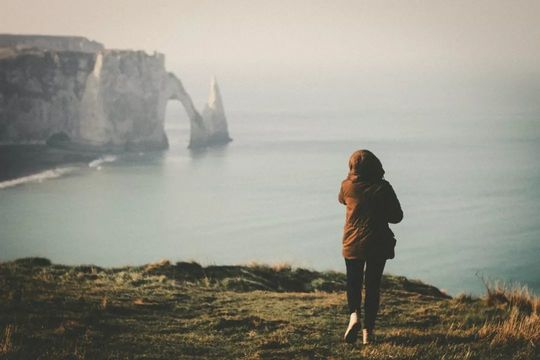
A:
(352, 334)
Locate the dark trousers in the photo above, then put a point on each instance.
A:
(355, 280)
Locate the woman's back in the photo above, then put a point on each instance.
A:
(367, 239)
(371, 204)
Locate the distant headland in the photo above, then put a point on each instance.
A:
(71, 92)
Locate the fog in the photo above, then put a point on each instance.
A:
(452, 56)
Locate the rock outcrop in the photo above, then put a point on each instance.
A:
(214, 116)
(210, 128)
(73, 92)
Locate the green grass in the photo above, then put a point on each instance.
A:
(184, 310)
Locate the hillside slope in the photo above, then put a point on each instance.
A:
(184, 310)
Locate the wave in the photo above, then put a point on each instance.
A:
(39, 177)
(101, 160)
(55, 173)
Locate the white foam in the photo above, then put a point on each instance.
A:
(39, 177)
(104, 159)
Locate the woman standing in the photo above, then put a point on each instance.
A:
(367, 240)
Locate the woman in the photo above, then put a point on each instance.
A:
(367, 240)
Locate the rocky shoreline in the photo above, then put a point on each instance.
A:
(17, 161)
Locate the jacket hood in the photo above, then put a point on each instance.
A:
(365, 166)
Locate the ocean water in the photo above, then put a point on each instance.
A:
(469, 187)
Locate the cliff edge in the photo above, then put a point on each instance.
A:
(185, 310)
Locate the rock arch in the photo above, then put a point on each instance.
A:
(207, 129)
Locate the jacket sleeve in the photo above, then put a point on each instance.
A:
(394, 213)
(341, 197)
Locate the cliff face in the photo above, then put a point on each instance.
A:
(109, 100)
(122, 104)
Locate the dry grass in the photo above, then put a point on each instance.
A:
(522, 321)
(157, 265)
(514, 295)
(185, 310)
(6, 342)
(278, 266)
(517, 327)
(464, 298)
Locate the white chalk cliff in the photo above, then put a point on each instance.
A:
(79, 94)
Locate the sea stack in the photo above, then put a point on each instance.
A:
(214, 116)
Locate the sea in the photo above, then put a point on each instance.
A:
(469, 186)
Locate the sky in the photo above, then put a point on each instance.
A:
(320, 55)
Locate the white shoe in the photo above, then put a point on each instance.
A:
(352, 330)
(367, 336)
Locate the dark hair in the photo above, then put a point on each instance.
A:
(364, 164)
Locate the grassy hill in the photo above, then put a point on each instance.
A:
(184, 310)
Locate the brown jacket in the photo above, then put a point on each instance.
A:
(371, 205)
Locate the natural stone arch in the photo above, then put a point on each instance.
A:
(210, 128)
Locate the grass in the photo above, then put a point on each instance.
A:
(257, 311)
(522, 324)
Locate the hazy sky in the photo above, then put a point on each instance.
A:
(324, 52)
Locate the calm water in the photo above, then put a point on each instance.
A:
(469, 188)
